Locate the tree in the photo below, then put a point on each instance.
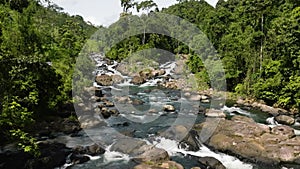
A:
(127, 4)
(146, 5)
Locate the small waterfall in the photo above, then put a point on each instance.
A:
(235, 110)
(272, 122)
(172, 148)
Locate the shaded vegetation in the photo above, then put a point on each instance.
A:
(38, 47)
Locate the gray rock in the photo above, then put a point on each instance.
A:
(211, 163)
(137, 80)
(163, 165)
(104, 80)
(246, 138)
(128, 146)
(215, 113)
(284, 119)
(168, 108)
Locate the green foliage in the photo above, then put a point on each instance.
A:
(38, 47)
(258, 42)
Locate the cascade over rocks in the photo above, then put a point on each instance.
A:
(211, 163)
(140, 151)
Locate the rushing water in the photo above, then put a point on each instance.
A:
(144, 126)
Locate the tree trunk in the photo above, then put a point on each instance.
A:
(261, 45)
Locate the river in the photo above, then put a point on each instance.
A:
(144, 126)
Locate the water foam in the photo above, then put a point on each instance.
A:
(228, 161)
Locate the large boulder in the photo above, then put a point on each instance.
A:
(151, 153)
(137, 80)
(146, 74)
(263, 107)
(158, 72)
(257, 142)
(168, 108)
(140, 151)
(128, 146)
(104, 80)
(211, 162)
(284, 119)
(177, 132)
(215, 113)
(163, 165)
(88, 121)
(79, 158)
(93, 150)
(117, 79)
(52, 155)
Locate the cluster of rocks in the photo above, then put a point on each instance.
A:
(145, 75)
(149, 157)
(282, 116)
(108, 80)
(245, 138)
(81, 154)
(52, 155)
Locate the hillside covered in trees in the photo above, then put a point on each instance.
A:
(257, 40)
(38, 47)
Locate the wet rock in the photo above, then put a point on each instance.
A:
(87, 122)
(69, 126)
(155, 73)
(211, 162)
(195, 97)
(190, 142)
(146, 74)
(151, 153)
(168, 108)
(284, 119)
(205, 101)
(117, 79)
(105, 113)
(104, 80)
(283, 131)
(263, 107)
(95, 150)
(114, 112)
(164, 165)
(137, 80)
(79, 158)
(137, 102)
(128, 146)
(95, 99)
(177, 132)
(52, 155)
(171, 85)
(204, 97)
(18, 159)
(122, 99)
(215, 113)
(201, 109)
(152, 111)
(109, 104)
(80, 153)
(187, 94)
(246, 138)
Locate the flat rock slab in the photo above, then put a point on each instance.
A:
(164, 165)
(257, 142)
